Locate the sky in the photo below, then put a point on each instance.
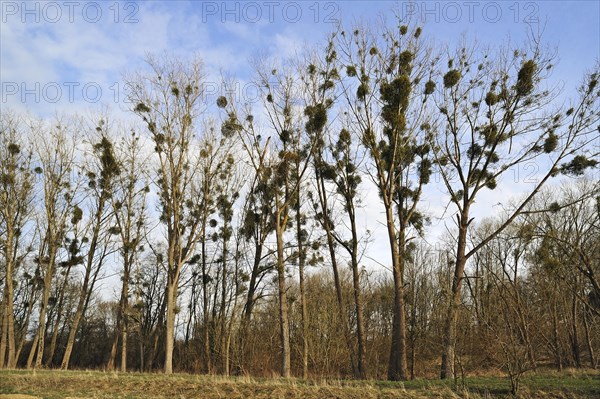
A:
(70, 56)
(63, 55)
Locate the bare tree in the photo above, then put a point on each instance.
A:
(257, 225)
(274, 163)
(101, 173)
(55, 152)
(16, 196)
(279, 97)
(388, 112)
(129, 207)
(169, 101)
(318, 77)
(496, 116)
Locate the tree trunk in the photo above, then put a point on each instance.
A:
(123, 309)
(358, 306)
(72, 332)
(9, 318)
(110, 366)
(170, 322)
(124, 328)
(223, 311)
(413, 330)
(284, 327)
(84, 294)
(81, 305)
(230, 324)
(588, 339)
(8, 321)
(59, 310)
(142, 349)
(450, 328)
(32, 352)
(397, 363)
(24, 328)
(252, 286)
(3, 330)
(249, 305)
(301, 262)
(41, 331)
(575, 334)
(191, 322)
(157, 334)
(53, 341)
(336, 276)
(121, 328)
(557, 345)
(397, 360)
(205, 317)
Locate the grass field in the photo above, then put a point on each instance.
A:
(19, 384)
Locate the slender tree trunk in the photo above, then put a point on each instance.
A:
(336, 275)
(304, 323)
(41, 331)
(413, 332)
(53, 341)
(228, 349)
(124, 323)
(32, 352)
(124, 349)
(588, 339)
(170, 320)
(121, 328)
(413, 358)
(55, 330)
(301, 264)
(230, 324)
(72, 332)
(3, 330)
(397, 360)
(205, 315)
(450, 328)
(249, 305)
(575, 334)
(142, 349)
(8, 322)
(222, 312)
(158, 333)
(284, 327)
(11, 361)
(192, 311)
(110, 366)
(25, 326)
(360, 324)
(84, 294)
(78, 313)
(397, 363)
(358, 306)
(557, 345)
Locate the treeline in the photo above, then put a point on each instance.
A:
(237, 229)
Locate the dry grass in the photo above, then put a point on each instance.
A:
(94, 384)
(58, 384)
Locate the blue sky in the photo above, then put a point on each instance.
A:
(61, 57)
(71, 55)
